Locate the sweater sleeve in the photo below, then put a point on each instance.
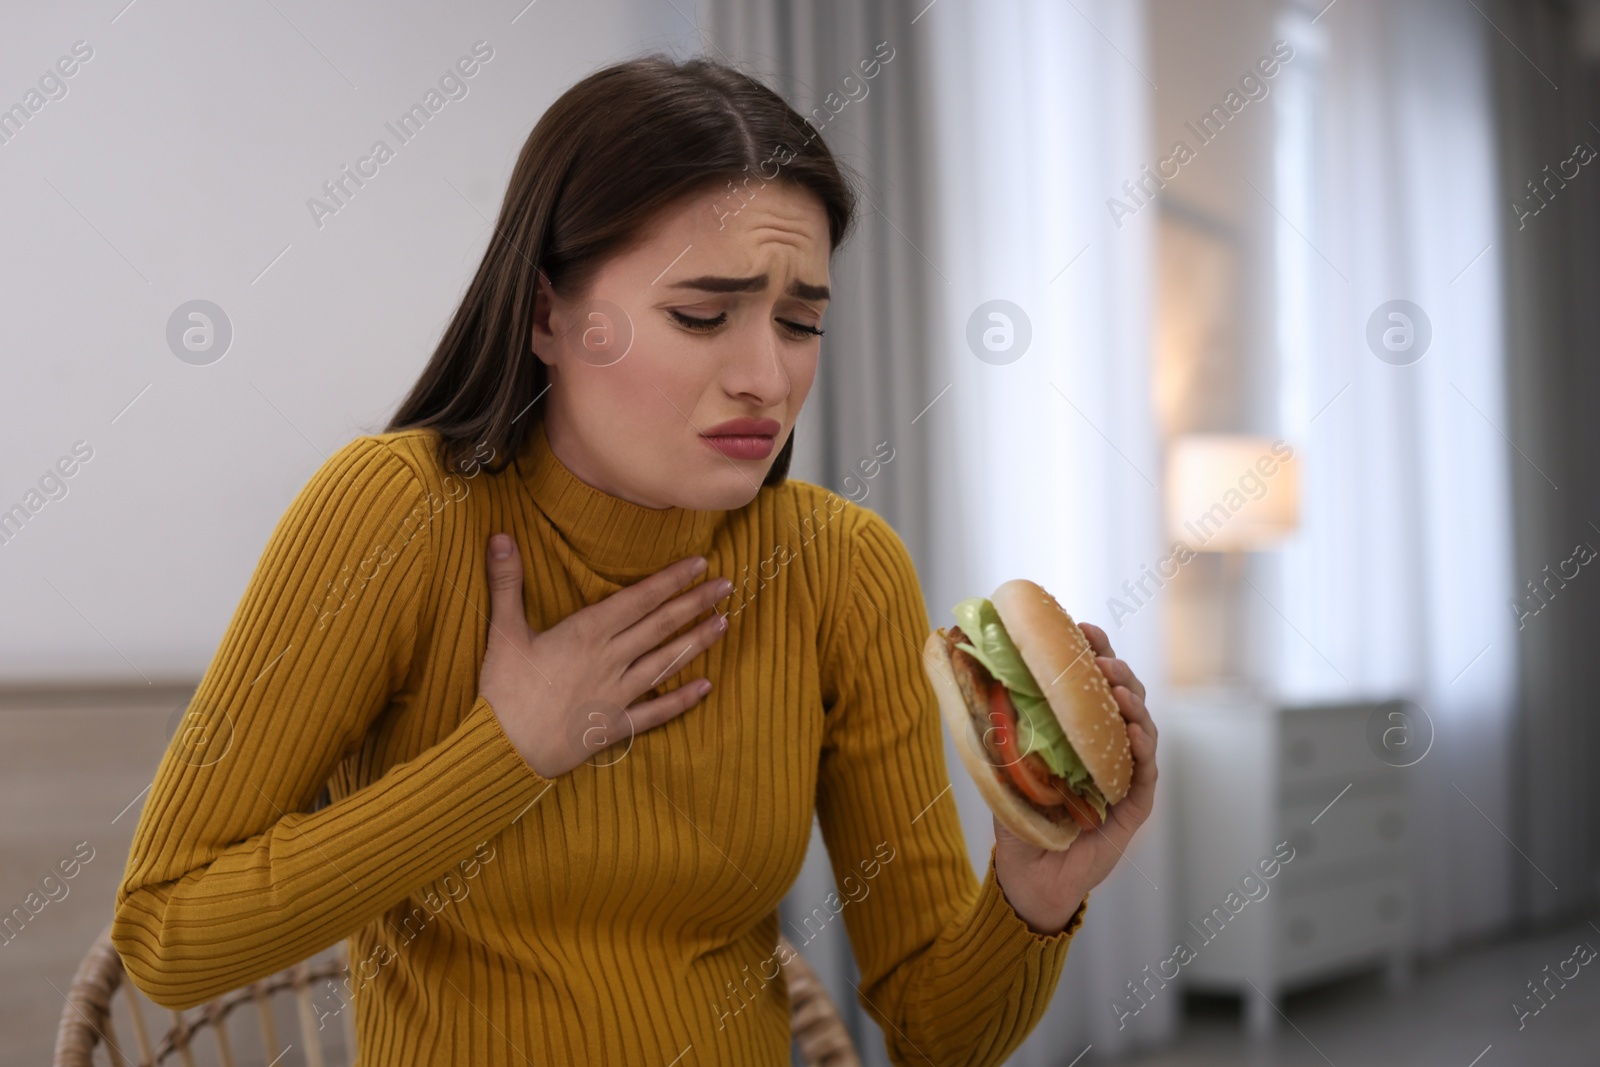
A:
(949, 970)
(230, 877)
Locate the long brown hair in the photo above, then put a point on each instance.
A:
(611, 152)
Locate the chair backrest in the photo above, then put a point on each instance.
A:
(95, 1018)
(820, 1035)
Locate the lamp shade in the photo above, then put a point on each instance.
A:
(1231, 493)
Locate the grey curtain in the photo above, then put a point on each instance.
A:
(875, 375)
(1548, 92)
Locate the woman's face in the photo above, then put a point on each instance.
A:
(706, 320)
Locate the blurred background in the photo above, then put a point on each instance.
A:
(1263, 333)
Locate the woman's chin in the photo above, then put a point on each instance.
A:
(726, 490)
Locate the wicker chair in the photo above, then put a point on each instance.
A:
(94, 1015)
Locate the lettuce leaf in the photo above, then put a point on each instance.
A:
(1037, 727)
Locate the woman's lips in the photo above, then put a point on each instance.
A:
(741, 446)
(744, 438)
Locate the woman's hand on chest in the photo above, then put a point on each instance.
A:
(566, 693)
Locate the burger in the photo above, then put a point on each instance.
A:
(1031, 713)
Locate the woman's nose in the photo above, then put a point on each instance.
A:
(755, 369)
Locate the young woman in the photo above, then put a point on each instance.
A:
(578, 662)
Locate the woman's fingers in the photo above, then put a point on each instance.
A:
(1124, 818)
(1003, 835)
(657, 628)
(1144, 771)
(1142, 742)
(1097, 638)
(648, 670)
(506, 616)
(1142, 746)
(1133, 710)
(1118, 672)
(627, 606)
(576, 705)
(653, 713)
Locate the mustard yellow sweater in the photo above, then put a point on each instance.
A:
(626, 912)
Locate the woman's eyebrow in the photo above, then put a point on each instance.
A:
(754, 284)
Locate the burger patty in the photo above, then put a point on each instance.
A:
(973, 680)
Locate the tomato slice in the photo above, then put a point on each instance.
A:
(1030, 774)
(1003, 724)
(1083, 813)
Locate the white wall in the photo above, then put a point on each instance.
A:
(177, 166)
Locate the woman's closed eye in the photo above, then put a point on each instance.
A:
(707, 325)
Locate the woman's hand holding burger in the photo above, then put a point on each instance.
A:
(1045, 886)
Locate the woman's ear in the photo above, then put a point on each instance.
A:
(542, 343)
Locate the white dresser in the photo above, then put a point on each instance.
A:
(1248, 776)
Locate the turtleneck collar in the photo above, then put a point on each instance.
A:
(608, 532)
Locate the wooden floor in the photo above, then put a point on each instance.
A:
(73, 769)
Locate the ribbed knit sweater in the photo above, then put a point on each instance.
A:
(625, 912)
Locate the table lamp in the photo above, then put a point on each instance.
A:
(1232, 494)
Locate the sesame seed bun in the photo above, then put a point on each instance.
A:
(996, 790)
(1062, 661)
